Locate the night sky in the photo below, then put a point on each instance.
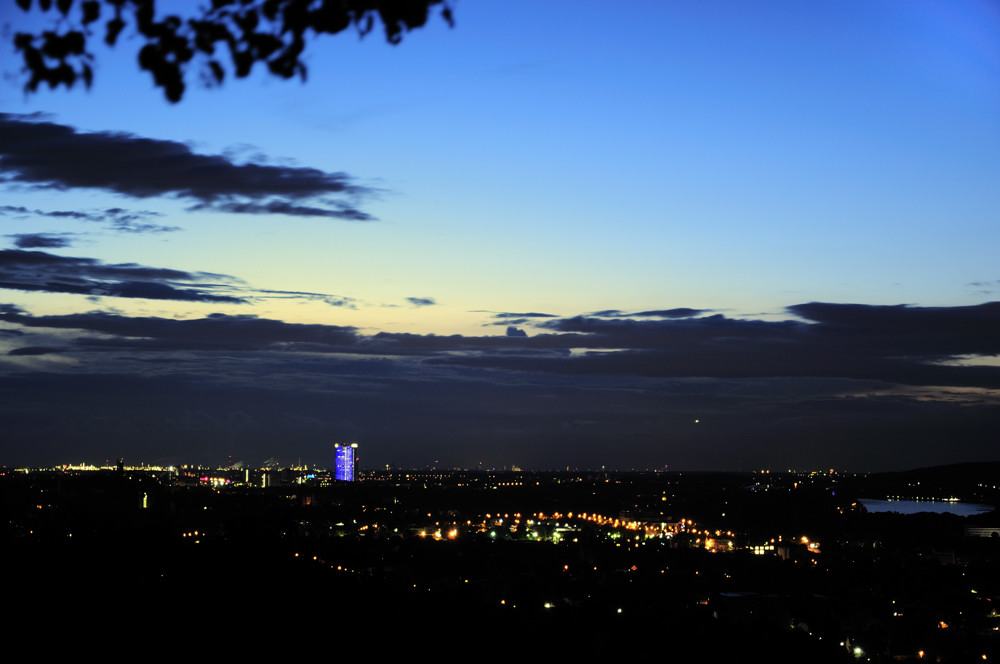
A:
(703, 235)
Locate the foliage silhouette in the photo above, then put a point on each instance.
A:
(272, 32)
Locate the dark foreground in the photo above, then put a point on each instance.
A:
(716, 567)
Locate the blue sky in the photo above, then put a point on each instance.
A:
(568, 158)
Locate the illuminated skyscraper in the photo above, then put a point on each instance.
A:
(343, 461)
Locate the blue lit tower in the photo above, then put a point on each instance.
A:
(343, 461)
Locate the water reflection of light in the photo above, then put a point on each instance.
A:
(917, 506)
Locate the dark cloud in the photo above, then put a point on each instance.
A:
(40, 240)
(337, 210)
(673, 334)
(829, 390)
(524, 315)
(899, 344)
(195, 408)
(248, 332)
(34, 350)
(40, 271)
(344, 302)
(125, 221)
(152, 290)
(120, 219)
(340, 301)
(214, 332)
(421, 301)
(12, 309)
(401, 343)
(860, 345)
(933, 332)
(507, 322)
(509, 318)
(45, 154)
(680, 312)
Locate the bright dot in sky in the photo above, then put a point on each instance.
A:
(696, 421)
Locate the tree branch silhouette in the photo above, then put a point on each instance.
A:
(229, 36)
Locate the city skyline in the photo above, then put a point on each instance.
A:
(703, 236)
